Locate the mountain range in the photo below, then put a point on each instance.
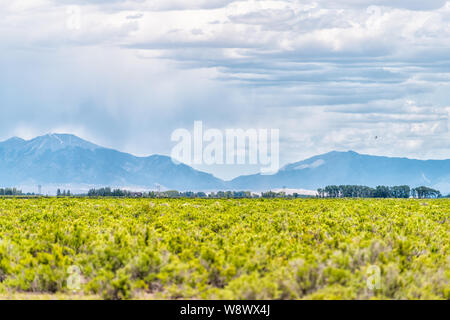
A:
(351, 168)
(67, 160)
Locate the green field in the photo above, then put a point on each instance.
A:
(224, 249)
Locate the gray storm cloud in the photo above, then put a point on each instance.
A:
(330, 76)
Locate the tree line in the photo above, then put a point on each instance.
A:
(10, 192)
(108, 192)
(355, 191)
(63, 193)
(332, 191)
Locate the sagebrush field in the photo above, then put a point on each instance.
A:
(224, 249)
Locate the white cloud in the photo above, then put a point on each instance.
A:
(330, 75)
(313, 165)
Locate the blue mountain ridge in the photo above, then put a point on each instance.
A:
(68, 159)
(351, 168)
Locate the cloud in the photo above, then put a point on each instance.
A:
(330, 75)
(313, 165)
(151, 5)
(403, 4)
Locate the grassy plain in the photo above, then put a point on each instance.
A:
(68, 248)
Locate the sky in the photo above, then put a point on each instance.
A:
(369, 76)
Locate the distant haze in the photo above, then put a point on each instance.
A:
(371, 76)
(68, 162)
